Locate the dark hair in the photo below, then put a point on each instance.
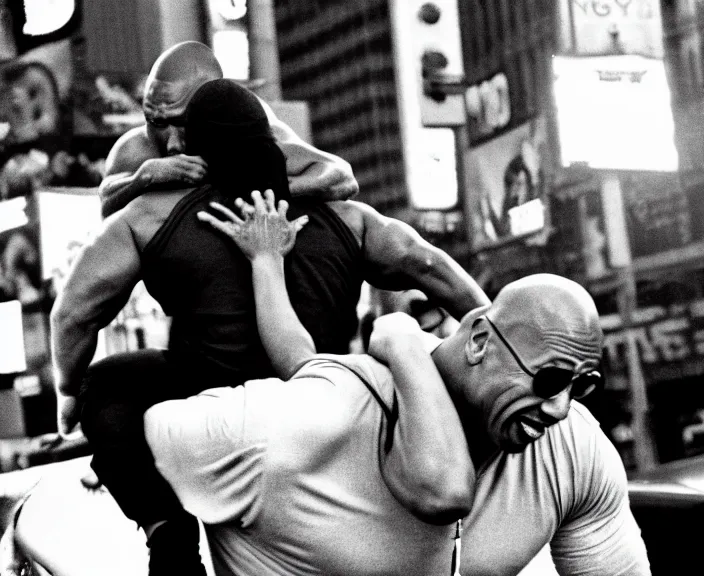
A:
(227, 126)
(514, 168)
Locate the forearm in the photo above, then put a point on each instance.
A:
(73, 346)
(444, 280)
(285, 339)
(118, 190)
(312, 172)
(428, 468)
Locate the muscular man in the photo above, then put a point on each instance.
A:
(285, 474)
(203, 282)
(284, 502)
(152, 157)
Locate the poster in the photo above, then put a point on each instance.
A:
(53, 108)
(20, 261)
(507, 185)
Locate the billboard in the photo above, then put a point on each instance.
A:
(610, 26)
(614, 112)
(507, 184)
(58, 117)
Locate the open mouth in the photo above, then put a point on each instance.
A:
(533, 431)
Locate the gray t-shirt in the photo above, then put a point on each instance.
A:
(287, 476)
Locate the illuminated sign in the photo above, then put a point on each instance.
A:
(614, 112)
(605, 26)
(231, 9)
(47, 16)
(13, 214)
(229, 36)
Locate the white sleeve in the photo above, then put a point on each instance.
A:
(599, 535)
(210, 453)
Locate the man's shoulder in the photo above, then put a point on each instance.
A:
(375, 376)
(580, 440)
(131, 149)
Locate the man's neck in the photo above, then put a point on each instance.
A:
(481, 447)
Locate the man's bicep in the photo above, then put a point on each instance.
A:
(398, 258)
(102, 277)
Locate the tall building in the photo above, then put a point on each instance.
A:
(338, 57)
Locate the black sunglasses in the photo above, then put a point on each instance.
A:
(550, 381)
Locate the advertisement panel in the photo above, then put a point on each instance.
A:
(614, 112)
(608, 26)
(49, 99)
(507, 185)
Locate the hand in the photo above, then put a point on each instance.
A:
(389, 330)
(264, 230)
(178, 168)
(68, 414)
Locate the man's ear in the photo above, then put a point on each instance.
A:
(475, 349)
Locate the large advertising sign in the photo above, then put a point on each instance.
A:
(506, 183)
(608, 26)
(53, 108)
(614, 112)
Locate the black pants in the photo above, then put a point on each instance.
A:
(116, 393)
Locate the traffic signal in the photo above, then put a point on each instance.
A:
(428, 54)
(430, 93)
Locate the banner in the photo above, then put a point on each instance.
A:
(507, 185)
(58, 118)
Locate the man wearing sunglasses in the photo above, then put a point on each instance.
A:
(546, 474)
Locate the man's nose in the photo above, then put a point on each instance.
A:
(558, 406)
(175, 143)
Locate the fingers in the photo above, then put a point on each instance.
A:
(260, 205)
(229, 214)
(228, 228)
(247, 210)
(299, 223)
(283, 209)
(270, 201)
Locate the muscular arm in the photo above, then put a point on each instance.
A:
(397, 258)
(98, 287)
(121, 183)
(311, 172)
(428, 468)
(134, 167)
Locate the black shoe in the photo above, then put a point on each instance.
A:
(174, 548)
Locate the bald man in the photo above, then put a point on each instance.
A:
(546, 472)
(152, 157)
(203, 283)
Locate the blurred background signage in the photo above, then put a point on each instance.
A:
(614, 112)
(227, 31)
(608, 26)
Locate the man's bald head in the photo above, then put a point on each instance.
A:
(175, 77)
(545, 313)
(186, 60)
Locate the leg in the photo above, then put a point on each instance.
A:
(116, 393)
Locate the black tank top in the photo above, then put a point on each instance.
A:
(203, 281)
